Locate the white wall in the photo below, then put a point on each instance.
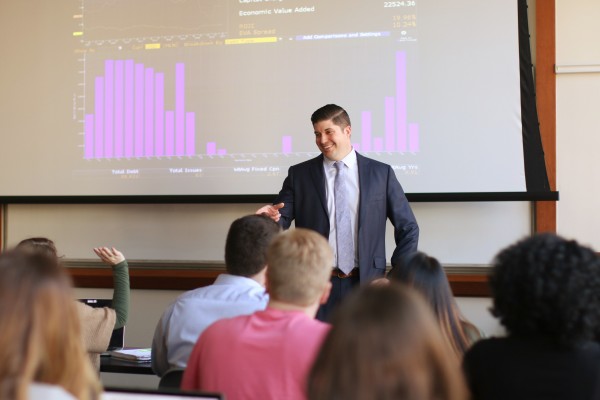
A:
(578, 121)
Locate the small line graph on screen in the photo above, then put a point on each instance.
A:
(117, 21)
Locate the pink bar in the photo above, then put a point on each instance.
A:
(211, 148)
(169, 133)
(119, 108)
(190, 133)
(286, 144)
(378, 144)
(179, 108)
(356, 146)
(413, 138)
(401, 100)
(149, 112)
(88, 141)
(139, 111)
(365, 142)
(390, 143)
(109, 107)
(99, 125)
(129, 108)
(159, 113)
(222, 152)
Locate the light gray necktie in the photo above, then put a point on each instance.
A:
(343, 228)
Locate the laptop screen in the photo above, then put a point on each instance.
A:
(117, 339)
(138, 394)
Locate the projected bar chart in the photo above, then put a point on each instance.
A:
(130, 119)
(399, 135)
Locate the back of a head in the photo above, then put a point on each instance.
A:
(333, 112)
(247, 242)
(300, 262)
(38, 245)
(547, 286)
(41, 337)
(384, 344)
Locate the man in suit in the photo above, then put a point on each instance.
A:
(368, 195)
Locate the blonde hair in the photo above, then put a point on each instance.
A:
(385, 344)
(41, 339)
(299, 267)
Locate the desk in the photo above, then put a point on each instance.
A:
(111, 364)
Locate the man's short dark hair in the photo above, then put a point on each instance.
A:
(247, 242)
(548, 286)
(333, 112)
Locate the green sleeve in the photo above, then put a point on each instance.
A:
(120, 300)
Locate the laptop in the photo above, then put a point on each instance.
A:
(139, 394)
(117, 339)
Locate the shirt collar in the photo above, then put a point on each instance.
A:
(349, 160)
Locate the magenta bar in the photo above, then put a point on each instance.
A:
(413, 138)
(390, 143)
(109, 107)
(190, 133)
(179, 108)
(286, 144)
(119, 108)
(365, 142)
(88, 141)
(222, 152)
(99, 123)
(211, 148)
(129, 108)
(149, 112)
(159, 114)
(139, 111)
(169, 133)
(378, 144)
(401, 100)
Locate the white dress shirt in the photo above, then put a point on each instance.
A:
(192, 312)
(353, 197)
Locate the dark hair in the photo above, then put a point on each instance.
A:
(333, 112)
(427, 276)
(547, 286)
(384, 344)
(38, 245)
(247, 242)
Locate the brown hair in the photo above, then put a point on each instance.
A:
(426, 275)
(385, 344)
(38, 245)
(41, 338)
(332, 112)
(247, 242)
(299, 267)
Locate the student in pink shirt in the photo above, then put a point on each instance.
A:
(267, 355)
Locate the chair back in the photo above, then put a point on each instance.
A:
(171, 379)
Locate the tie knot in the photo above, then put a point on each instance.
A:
(339, 165)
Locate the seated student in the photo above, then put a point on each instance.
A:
(546, 292)
(239, 291)
(267, 355)
(41, 352)
(385, 344)
(427, 276)
(97, 324)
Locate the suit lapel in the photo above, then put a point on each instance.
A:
(363, 187)
(318, 177)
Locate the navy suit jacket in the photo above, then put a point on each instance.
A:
(381, 197)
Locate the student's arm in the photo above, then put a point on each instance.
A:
(120, 270)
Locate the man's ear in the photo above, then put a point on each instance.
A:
(348, 130)
(325, 294)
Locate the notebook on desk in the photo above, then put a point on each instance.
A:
(117, 339)
(139, 394)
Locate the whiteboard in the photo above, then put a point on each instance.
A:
(467, 234)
